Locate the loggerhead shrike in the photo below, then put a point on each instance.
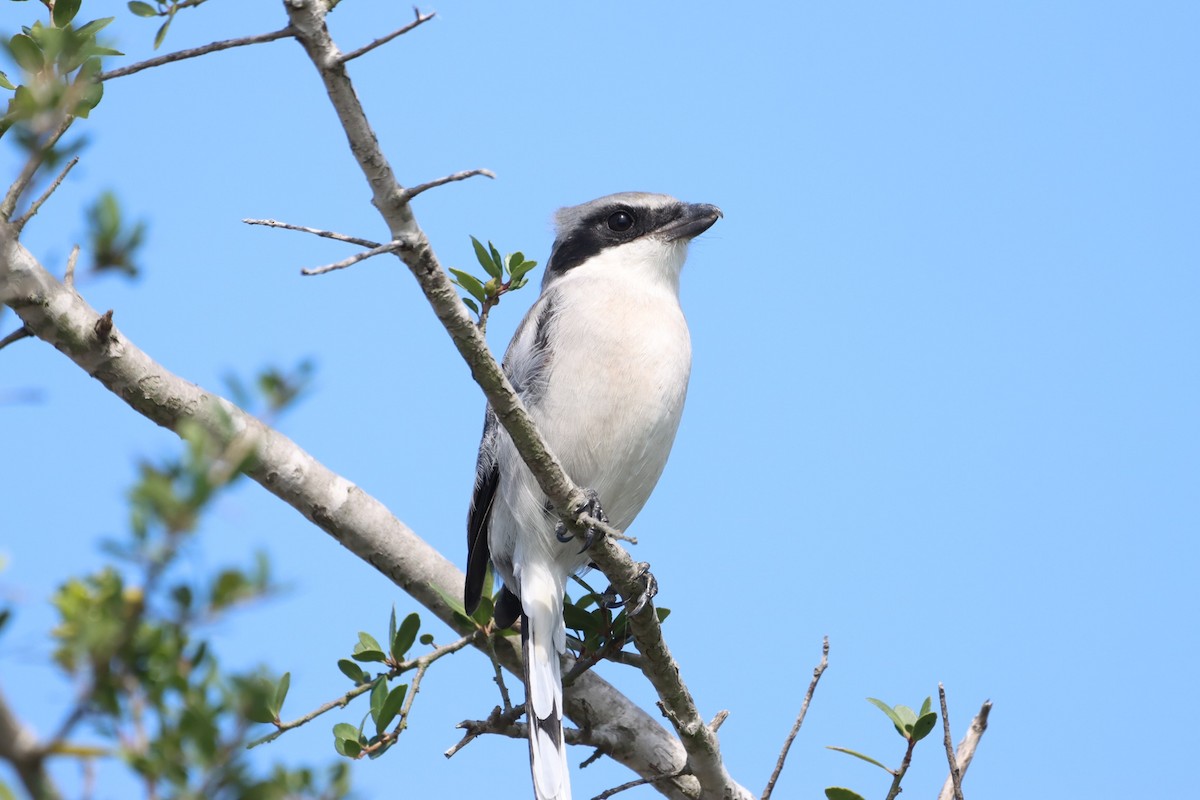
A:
(601, 362)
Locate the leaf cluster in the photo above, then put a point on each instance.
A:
(132, 634)
(60, 64)
(912, 726)
(501, 275)
(386, 701)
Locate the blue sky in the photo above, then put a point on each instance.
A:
(945, 387)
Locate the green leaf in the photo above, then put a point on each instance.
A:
(162, 33)
(391, 707)
(5, 82)
(405, 636)
(346, 740)
(94, 27)
(26, 52)
(663, 613)
(473, 285)
(923, 726)
(142, 9)
(367, 649)
(471, 304)
(868, 759)
(522, 269)
(484, 258)
(579, 620)
(497, 261)
(352, 671)
(90, 99)
(281, 693)
(392, 625)
(379, 693)
(925, 707)
(65, 11)
(909, 716)
(842, 793)
(892, 715)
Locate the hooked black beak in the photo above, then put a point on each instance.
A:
(694, 219)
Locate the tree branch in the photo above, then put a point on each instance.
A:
(808, 696)
(366, 48)
(391, 199)
(19, 747)
(966, 749)
(193, 52)
(955, 773)
(59, 316)
(340, 237)
(390, 247)
(20, 223)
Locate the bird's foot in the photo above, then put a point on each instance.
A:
(649, 589)
(591, 507)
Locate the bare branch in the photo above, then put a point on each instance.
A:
(19, 747)
(966, 748)
(500, 721)
(409, 194)
(420, 20)
(955, 774)
(19, 223)
(390, 247)
(193, 52)
(818, 671)
(23, 332)
(639, 782)
(18, 187)
(69, 276)
(340, 237)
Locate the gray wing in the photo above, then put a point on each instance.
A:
(526, 363)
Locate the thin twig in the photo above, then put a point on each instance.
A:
(193, 52)
(640, 782)
(718, 720)
(898, 775)
(499, 721)
(390, 247)
(966, 749)
(366, 48)
(23, 332)
(818, 671)
(33, 209)
(955, 775)
(420, 664)
(504, 696)
(69, 277)
(18, 187)
(410, 193)
(340, 237)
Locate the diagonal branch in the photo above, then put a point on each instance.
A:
(340, 237)
(193, 52)
(366, 48)
(20, 748)
(390, 247)
(966, 749)
(19, 224)
(389, 197)
(808, 696)
(59, 316)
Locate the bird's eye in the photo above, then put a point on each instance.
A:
(620, 221)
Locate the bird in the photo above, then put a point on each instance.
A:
(601, 362)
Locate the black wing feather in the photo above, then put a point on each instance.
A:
(487, 479)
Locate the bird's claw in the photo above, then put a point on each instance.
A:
(650, 588)
(591, 507)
